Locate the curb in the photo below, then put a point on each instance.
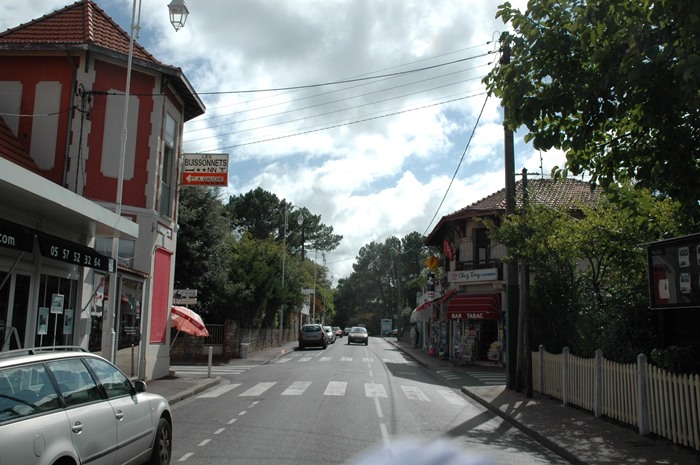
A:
(546, 442)
(190, 392)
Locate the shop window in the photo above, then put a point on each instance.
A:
(56, 313)
(126, 250)
(482, 245)
(129, 316)
(167, 173)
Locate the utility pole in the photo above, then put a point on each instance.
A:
(525, 299)
(511, 319)
(398, 288)
(284, 258)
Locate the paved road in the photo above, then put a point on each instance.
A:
(333, 406)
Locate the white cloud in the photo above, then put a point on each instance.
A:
(333, 148)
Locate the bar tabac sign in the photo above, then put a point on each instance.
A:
(205, 169)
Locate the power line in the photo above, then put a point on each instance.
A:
(347, 81)
(334, 101)
(471, 136)
(301, 118)
(337, 125)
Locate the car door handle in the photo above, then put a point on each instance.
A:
(77, 427)
(119, 415)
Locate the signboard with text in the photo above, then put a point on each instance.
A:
(470, 276)
(674, 272)
(205, 169)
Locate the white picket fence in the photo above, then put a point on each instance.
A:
(639, 394)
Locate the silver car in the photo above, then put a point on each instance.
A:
(330, 334)
(358, 334)
(66, 405)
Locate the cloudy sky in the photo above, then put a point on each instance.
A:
(370, 113)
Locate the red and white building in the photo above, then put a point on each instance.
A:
(62, 89)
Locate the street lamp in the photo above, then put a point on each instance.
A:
(178, 16)
(300, 220)
(284, 256)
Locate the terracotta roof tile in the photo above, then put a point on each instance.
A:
(562, 193)
(81, 23)
(11, 149)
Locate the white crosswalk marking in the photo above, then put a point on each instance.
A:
(415, 393)
(375, 390)
(219, 391)
(367, 360)
(448, 374)
(326, 359)
(284, 360)
(215, 369)
(488, 377)
(297, 388)
(336, 388)
(346, 359)
(304, 359)
(451, 397)
(257, 390)
(339, 389)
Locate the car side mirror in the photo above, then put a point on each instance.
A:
(139, 386)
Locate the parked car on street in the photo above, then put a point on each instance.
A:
(330, 333)
(358, 334)
(391, 333)
(346, 331)
(312, 335)
(66, 405)
(338, 332)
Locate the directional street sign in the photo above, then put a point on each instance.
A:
(205, 169)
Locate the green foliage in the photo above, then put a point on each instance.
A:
(234, 254)
(685, 359)
(614, 84)
(262, 214)
(371, 292)
(203, 253)
(589, 289)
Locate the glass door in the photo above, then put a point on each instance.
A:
(14, 302)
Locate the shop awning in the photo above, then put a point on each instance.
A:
(474, 306)
(424, 311)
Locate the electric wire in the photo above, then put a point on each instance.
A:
(471, 136)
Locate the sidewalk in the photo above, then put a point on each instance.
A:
(572, 433)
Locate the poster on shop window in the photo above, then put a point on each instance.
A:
(43, 322)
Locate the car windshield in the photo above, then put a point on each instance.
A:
(358, 330)
(311, 329)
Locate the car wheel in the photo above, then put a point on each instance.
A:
(162, 446)
(301, 346)
(366, 342)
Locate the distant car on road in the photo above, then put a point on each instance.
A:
(346, 331)
(358, 334)
(330, 334)
(391, 333)
(312, 335)
(338, 332)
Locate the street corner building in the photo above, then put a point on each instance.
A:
(72, 187)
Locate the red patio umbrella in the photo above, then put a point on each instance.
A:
(188, 321)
